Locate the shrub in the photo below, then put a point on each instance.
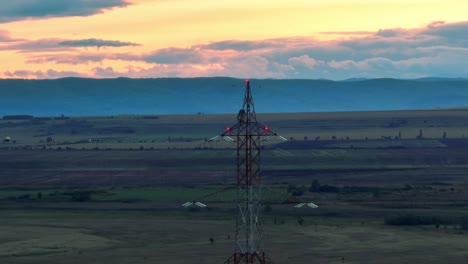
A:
(414, 220)
(267, 208)
(300, 220)
(464, 224)
(329, 189)
(315, 186)
(81, 196)
(296, 191)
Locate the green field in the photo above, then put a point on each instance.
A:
(391, 188)
(77, 236)
(191, 131)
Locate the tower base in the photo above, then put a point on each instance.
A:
(247, 258)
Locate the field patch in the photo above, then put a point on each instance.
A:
(23, 240)
(182, 194)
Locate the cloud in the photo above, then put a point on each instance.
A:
(254, 66)
(96, 43)
(174, 56)
(435, 50)
(438, 49)
(238, 45)
(5, 36)
(33, 9)
(107, 72)
(53, 44)
(346, 32)
(390, 32)
(304, 61)
(450, 33)
(70, 59)
(80, 57)
(40, 45)
(170, 70)
(49, 74)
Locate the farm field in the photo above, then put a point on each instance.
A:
(392, 187)
(77, 236)
(192, 131)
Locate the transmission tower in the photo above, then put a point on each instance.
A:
(248, 134)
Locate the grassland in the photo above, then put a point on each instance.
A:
(392, 188)
(191, 131)
(84, 236)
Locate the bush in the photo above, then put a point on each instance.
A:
(414, 220)
(267, 208)
(296, 190)
(315, 186)
(80, 196)
(24, 197)
(464, 224)
(329, 189)
(300, 220)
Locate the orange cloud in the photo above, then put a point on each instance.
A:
(208, 37)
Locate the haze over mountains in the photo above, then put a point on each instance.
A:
(87, 97)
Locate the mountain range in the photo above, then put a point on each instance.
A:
(89, 97)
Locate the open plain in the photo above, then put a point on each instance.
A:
(391, 187)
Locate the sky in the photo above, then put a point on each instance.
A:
(300, 39)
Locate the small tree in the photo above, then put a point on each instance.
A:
(267, 208)
(420, 135)
(464, 224)
(300, 220)
(408, 187)
(299, 191)
(315, 186)
(81, 196)
(376, 193)
(212, 240)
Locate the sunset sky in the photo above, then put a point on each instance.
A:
(332, 39)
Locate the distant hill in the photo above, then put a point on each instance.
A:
(86, 97)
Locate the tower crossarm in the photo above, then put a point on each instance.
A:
(253, 129)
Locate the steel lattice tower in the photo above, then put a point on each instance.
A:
(248, 133)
